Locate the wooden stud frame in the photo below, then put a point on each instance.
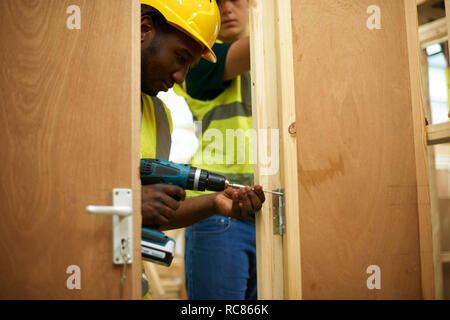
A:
(431, 33)
(274, 108)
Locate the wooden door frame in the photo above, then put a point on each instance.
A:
(136, 147)
(279, 267)
(278, 257)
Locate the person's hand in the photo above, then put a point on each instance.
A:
(238, 203)
(158, 203)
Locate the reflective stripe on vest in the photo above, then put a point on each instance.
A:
(163, 135)
(239, 108)
(225, 112)
(155, 129)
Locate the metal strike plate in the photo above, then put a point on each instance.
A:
(278, 205)
(122, 212)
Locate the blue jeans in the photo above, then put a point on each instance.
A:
(220, 260)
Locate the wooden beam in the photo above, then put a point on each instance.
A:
(421, 2)
(426, 2)
(433, 32)
(291, 240)
(263, 47)
(447, 11)
(278, 257)
(154, 281)
(445, 257)
(421, 155)
(434, 201)
(438, 133)
(430, 11)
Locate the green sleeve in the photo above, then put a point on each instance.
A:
(205, 80)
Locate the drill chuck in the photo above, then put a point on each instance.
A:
(201, 180)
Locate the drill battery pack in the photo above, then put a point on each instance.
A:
(157, 247)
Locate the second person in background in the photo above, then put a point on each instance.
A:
(220, 252)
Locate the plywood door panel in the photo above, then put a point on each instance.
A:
(69, 134)
(358, 193)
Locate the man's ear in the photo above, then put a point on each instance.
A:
(147, 28)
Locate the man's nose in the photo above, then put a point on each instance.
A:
(180, 74)
(225, 7)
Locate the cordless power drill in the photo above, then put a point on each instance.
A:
(155, 246)
(155, 171)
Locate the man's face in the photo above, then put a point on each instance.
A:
(234, 17)
(165, 58)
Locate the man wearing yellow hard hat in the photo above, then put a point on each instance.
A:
(174, 35)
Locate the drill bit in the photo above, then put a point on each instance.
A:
(240, 186)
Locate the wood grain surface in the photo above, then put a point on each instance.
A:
(269, 246)
(363, 194)
(69, 134)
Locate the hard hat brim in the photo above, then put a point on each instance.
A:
(210, 56)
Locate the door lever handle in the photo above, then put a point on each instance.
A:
(122, 224)
(121, 211)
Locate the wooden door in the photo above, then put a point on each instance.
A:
(344, 79)
(69, 134)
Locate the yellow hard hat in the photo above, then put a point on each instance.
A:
(200, 19)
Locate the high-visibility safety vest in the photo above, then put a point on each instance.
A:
(226, 139)
(156, 132)
(156, 129)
